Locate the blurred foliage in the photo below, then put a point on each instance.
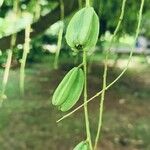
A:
(109, 12)
(32, 10)
(146, 24)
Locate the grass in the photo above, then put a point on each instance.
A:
(29, 123)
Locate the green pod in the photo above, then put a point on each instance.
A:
(83, 29)
(69, 90)
(61, 92)
(82, 146)
(75, 92)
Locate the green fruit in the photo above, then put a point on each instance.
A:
(83, 29)
(74, 95)
(61, 93)
(82, 146)
(69, 90)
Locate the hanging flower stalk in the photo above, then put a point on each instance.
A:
(60, 35)
(9, 57)
(5, 76)
(26, 50)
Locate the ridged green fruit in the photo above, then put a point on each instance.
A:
(83, 29)
(82, 146)
(69, 90)
(61, 92)
(74, 95)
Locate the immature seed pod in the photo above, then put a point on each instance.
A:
(83, 29)
(82, 146)
(69, 90)
(74, 95)
(61, 92)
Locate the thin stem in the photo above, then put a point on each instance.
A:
(62, 11)
(80, 65)
(59, 42)
(9, 57)
(120, 75)
(101, 104)
(85, 100)
(24, 57)
(60, 35)
(105, 76)
(6, 75)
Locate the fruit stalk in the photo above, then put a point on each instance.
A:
(24, 58)
(85, 100)
(87, 2)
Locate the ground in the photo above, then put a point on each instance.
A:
(29, 123)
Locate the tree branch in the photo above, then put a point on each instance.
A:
(40, 26)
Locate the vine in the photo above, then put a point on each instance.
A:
(9, 58)
(5, 76)
(105, 75)
(26, 50)
(85, 100)
(60, 35)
